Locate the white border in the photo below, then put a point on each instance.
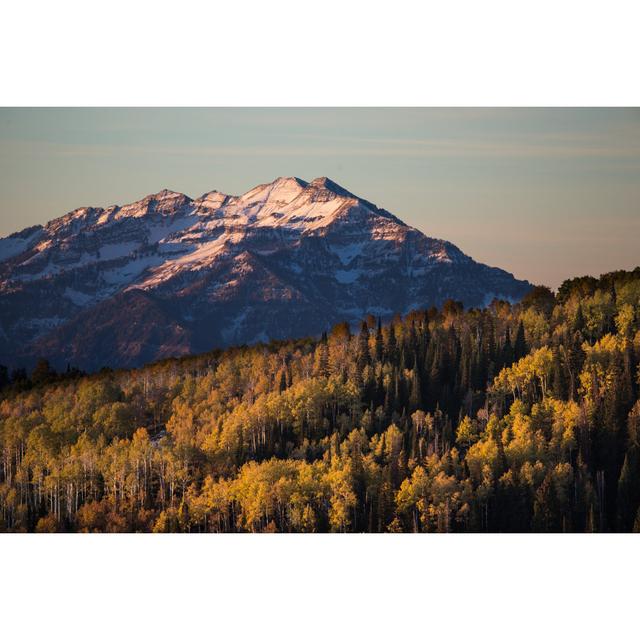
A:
(322, 586)
(335, 52)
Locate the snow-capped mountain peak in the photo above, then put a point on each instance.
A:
(285, 258)
(280, 191)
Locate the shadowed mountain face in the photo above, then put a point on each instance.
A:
(169, 275)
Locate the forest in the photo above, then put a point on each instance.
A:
(514, 418)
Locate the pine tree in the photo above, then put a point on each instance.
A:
(378, 342)
(362, 356)
(391, 347)
(628, 484)
(415, 395)
(520, 346)
(506, 359)
(629, 490)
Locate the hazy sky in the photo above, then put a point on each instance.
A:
(544, 193)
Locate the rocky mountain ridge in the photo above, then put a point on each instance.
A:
(170, 275)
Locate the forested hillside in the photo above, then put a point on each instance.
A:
(511, 418)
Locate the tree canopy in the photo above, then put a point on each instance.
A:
(518, 417)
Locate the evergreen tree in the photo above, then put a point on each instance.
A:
(378, 348)
(507, 355)
(415, 395)
(391, 346)
(363, 358)
(520, 346)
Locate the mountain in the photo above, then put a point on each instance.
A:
(169, 275)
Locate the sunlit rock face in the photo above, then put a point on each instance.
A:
(170, 275)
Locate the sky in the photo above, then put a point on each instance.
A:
(546, 194)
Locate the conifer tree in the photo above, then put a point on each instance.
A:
(391, 346)
(362, 356)
(520, 346)
(415, 395)
(378, 348)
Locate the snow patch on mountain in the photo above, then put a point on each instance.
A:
(77, 297)
(347, 277)
(280, 191)
(17, 243)
(113, 251)
(346, 253)
(134, 268)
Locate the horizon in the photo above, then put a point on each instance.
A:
(546, 194)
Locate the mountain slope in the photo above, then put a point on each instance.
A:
(169, 274)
